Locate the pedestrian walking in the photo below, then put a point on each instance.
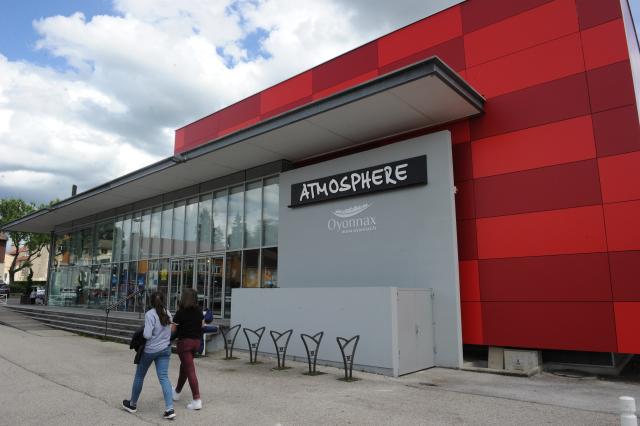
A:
(157, 349)
(188, 323)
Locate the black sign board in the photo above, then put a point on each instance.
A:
(398, 174)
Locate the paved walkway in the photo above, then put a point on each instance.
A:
(64, 379)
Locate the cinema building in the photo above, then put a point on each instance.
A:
(469, 181)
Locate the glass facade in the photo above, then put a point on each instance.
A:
(211, 242)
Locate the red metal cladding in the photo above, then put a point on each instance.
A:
(346, 67)
(548, 188)
(627, 320)
(462, 163)
(620, 177)
(553, 60)
(547, 145)
(287, 92)
(625, 270)
(596, 12)
(239, 114)
(472, 327)
(451, 52)
(577, 230)
(623, 225)
(419, 36)
(616, 131)
(605, 44)
(581, 326)
(467, 242)
(480, 13)
(536, 26)
(611, 86)
(469, 281)
(542, 104)
(573, 277)
(465, 200)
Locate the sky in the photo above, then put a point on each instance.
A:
(93, 89)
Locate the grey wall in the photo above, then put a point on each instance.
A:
(413, 244)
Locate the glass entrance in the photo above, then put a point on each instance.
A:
(181, 276)
(216, 287)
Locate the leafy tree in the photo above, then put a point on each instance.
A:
(30, 243)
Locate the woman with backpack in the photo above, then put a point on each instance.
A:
(188, 323)
(157, 349)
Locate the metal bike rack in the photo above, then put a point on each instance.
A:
(312, 354)
(348, 359)
(281, 350)
(253, 346)
(229, 340)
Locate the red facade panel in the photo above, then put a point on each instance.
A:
(451, 52)
(462, 163)
(465, 200)
(611, 86)
(616, 131)
(422, 35)
(287, 92)
(605, 44)
(623, 225)
(627, 320)
(596, 12)
(568, 231)
(536, 26)
(472, 327)
(467, 241)
(582, 326)
(548, 188)
(620, 177)
(574, 277)
(547, 145)
(542, 104)
(238, 115)
(540, 64)
(478, 14)
(346, 67)
(469, 281)
(625, 273)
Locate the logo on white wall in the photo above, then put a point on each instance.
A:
(348, 223)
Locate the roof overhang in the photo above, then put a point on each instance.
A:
(422, 95)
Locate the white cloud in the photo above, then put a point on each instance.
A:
(154, 66)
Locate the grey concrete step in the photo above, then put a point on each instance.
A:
(111, 337)
(111, 329)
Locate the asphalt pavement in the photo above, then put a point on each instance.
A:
(51, 377)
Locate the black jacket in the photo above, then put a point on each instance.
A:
(137, 343)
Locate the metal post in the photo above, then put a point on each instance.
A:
(348, 359)
(312, 354)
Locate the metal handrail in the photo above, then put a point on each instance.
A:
(117, 303)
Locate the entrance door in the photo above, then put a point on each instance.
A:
(216, 288)
(175, 284)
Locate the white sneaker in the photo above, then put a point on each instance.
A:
(176, 395)
(196, 404)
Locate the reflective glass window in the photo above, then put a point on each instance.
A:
(220, 220)
(63, 249)
(178, 228)
(250, 272)
(104, 242)
(86, 250)
(253, 214)
(270, 267)
(136, 222)
(126, 238)
(235, 221)
(167, 220)
(117, 239)
(191, 226)
(204, 223)
(154, 233)
(145, 229)
(270, 201)
(233, 275)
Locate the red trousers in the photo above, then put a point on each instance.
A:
(186, 349)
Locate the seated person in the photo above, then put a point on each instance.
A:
(206, 327)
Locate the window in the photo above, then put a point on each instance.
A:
(204, 223)
(270, 205)
(167, 219)
(145, 241)
(235, 218)
(136, 221)
(117, 239)
(104, 242)
(191, 226)
(220, 220)
(250, 274)
(178, 228)
(253, 214)
(270, 267)
(154, 232)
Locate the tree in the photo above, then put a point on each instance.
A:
(27, 244)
